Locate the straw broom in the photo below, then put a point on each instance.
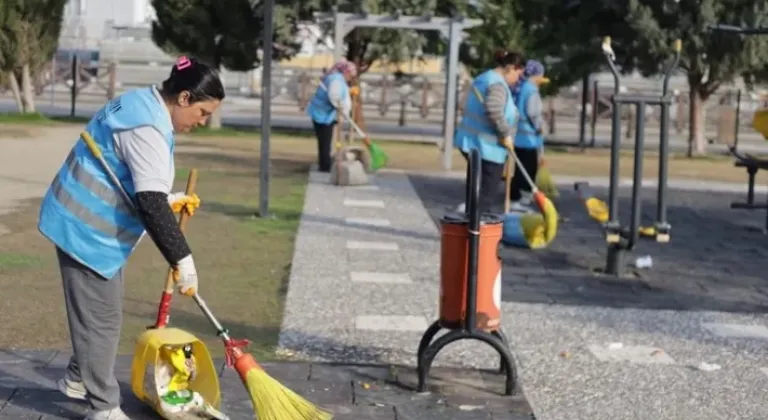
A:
(270, 399)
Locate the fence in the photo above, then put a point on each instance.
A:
(394, 98)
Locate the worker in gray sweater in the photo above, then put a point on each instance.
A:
(488, 122)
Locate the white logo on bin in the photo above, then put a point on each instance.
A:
(497, 291)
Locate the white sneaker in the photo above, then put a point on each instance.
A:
(72, 389)
(113, 414)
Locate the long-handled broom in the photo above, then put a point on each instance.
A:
(379, 157)
(270, 399)
(164, 309)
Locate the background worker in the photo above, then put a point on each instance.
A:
(95, 231)
(528, 139)
(488, 121)
(332, 94)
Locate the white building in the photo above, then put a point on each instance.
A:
(88, 21)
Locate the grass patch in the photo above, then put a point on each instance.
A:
(10, 261)
(233, 130)
(30, 118)
(243, 261)
(38, 119)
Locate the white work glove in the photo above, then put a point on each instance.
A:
(185, 276)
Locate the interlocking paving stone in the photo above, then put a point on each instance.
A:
(738, 330)
(367, 221)
(391, 323)
(631, 354)
(377, 204)
(373, 245)
(372, 277)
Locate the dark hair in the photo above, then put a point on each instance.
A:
(199, 79)
(504, 58)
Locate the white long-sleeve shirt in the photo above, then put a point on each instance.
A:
(335, 94)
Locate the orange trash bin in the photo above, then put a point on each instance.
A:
(454, 271)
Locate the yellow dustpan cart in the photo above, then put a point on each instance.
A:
(173, 372)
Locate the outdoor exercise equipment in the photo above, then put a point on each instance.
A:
(752, 164)
(619, 238)
(760, 124)
(470, 283)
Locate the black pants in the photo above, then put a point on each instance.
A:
(324, 133)
(490, 180)
(530, 160)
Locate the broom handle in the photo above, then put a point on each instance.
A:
(534, 188)
(164, 308)
(222, 332)
(507, 185)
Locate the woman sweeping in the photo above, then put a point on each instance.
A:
(528, 139)
(488, 122)
(331, 96)
(95, 231)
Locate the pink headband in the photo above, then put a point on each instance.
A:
(183, 62)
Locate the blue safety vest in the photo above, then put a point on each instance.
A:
(476, 131)
(83, 212)
(320, 108)
(526, 136)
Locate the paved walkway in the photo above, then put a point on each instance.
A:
(351, 392)
(683, 340)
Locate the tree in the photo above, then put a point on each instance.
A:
(222, 33)
(566, 35)
(366, 46)
(29, 36)
(708, 59)
(501, 29)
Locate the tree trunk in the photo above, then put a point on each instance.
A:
(13, 82)
(27, 90)
(357, 107)
(214, 122)
(697, 142)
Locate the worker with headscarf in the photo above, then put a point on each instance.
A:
(528, 139)
(331, 97)
(488, 122)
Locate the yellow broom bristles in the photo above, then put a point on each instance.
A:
(273, 401)
(545, 183)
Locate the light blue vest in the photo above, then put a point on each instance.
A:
(476, 131)
(82, 212)
(526, 136)
(320, 108)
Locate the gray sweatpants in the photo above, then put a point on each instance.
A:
(95, 314)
